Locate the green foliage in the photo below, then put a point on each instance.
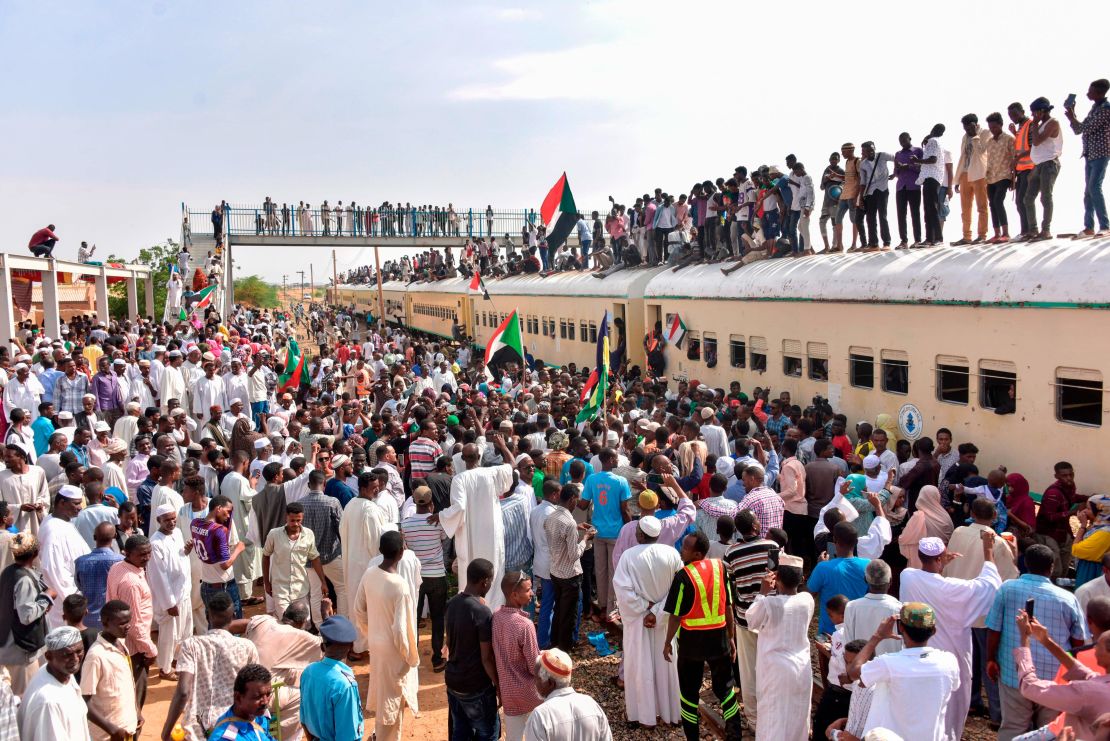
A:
(254, 291)
(159, 257)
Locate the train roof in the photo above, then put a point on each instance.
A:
(625, 284)
(1054, 273)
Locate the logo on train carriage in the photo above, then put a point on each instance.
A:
(909, 421)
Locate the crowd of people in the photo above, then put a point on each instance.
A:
(765, 212)
(161, 477)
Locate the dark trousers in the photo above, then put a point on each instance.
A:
(996, 197)
(434, 589)
(1020, 187)
(473, 717)
(874, 206)
(930, 198)
(832, 707)
(567, 592)
(690, 672)
(908, 200)
(45, 249)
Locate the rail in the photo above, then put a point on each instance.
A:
(294, 221)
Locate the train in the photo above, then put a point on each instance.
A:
(999, 343)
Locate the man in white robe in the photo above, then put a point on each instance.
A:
(474, 517)
(60, 547)
(641, 582)
(26, 490)
(172, 381)
(360, 532)
(169, 574)
(784, 677)
(241, 491)
(958, 603)
(385, 611)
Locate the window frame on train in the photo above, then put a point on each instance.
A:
(889, 361)
(1079, 387)
(951, 372)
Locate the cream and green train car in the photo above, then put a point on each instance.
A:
(559, 315)
(937, 338)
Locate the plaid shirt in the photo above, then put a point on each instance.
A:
(766, 505)
(514, 651)
(68, 394)
(1054, 608)
(321, 515)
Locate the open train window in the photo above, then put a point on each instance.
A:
(818, 354)
(737, 351)
(953, 379)
(709, 349)
(758, 353)
(1079, 396)
(792, 358)
(896, 372)
(998, 386)
(693, 345)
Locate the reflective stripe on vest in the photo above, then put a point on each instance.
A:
(705, 615)
(1021, 142)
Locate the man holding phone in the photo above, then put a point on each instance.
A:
(1095, 130)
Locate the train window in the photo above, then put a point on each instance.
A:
(758, 353)
(953, 379)
(998, 386)
(593, 332)
(896, 372)
(818, 353)
(737, 351)
(563, 329)
(693, 345)
(792, 358)
(709, 349)
(1079, 396)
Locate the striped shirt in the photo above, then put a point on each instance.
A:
(423, 453)
(426, 541)
(518, 544)
(747, 563)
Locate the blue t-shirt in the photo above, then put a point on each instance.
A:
(339, 490)
(836, 576)
(607, 490)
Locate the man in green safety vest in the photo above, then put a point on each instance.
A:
(700, 603)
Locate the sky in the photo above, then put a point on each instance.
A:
(116, 113)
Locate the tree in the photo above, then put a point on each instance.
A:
(254, 291)
(159, 257)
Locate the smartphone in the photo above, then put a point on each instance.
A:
(1070, 102)
(1029, 606)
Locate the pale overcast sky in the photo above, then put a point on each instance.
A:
(115, 113)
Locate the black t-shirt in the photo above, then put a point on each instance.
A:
(696, 644)
(469, 624)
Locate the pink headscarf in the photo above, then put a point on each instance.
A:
(930, 520)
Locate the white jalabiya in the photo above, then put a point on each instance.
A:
(173, 387)
(386, 611)
(248, 566)
(30, 487)
(360, 532)
(52, 710)
(169, 574)
(958, 603)
(474, 520)
(641, 582)
(784, 677)
(60, 545)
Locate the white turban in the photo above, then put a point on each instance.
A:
(62, 637)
